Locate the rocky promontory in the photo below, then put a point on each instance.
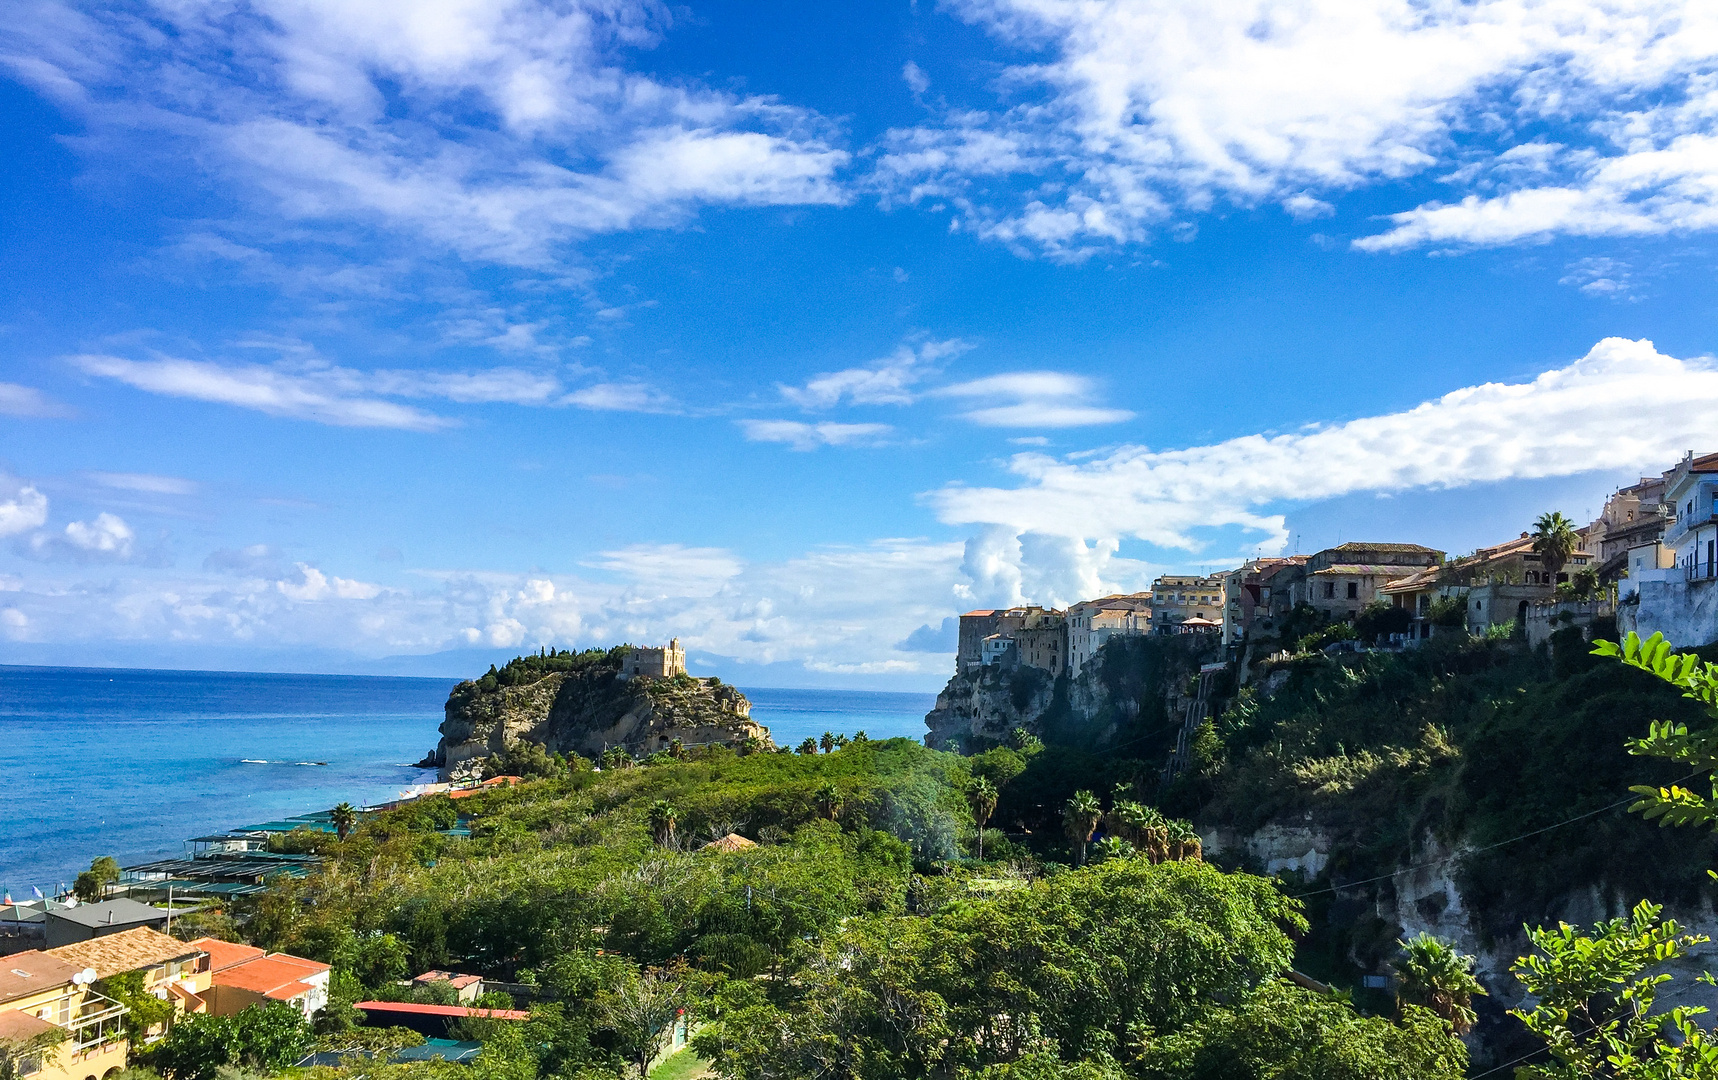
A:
(585, 703)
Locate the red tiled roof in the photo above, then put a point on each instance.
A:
(452, 978)
(267, 975)
(407, 1008)
(1704, 463)
(26, 973)
(226, 954)
(20, 1025)
(977, 614)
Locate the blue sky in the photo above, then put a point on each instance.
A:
(392, 337)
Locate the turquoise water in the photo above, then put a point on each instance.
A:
(132, 763)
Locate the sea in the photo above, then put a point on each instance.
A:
(132, 763)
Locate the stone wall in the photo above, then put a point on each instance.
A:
(1685, 612)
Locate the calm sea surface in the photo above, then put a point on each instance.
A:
(132, 763)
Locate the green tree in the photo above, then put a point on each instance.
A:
(343, 818)
(1595, 998)
(808, 746)
(1283, 1032)
(1554, 540)
(827, 743)
(87, 887)
(641, 1011)
(1113, 847)
(829, 801)
(1080, 820)
(1431, 974)
(144, 1010)
(1696, 748)
(677, 746)
(981, 797)
(662, 817)
(106, 868)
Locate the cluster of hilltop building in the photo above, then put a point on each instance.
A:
(1650, 560)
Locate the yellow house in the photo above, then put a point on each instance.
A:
(46, 995)
(173, 970)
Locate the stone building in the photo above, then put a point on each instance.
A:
(975, 626)
(1247, 592)
(1176, 598)
(651, 662)
(1043, 641)
(1093, 622)
(1341, 581)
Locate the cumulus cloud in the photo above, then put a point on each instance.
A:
(22, 507)
(496, 131)
(1027, 399)
(806, 437)
(106, 538)
(327, 394)
(1609, 409)
(313, 585)
(889, 381)
(1130, 116)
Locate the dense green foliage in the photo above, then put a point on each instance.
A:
(859, 937)
(263, 1037)
(1462, 739)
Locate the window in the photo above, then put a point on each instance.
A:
(1330, 590)
(1353, 590)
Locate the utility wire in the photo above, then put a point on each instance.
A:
(1488, 847)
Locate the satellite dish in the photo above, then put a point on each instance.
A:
(89, 975)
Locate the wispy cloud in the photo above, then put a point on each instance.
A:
(1027, 399)
(146, 483)
(18, 400)
(495, 131)
(804, 437)
(889, 381)
(345, 397)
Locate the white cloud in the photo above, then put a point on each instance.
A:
(107, 534)
(18, 400)
(344, 397)
(1623, 405)
(495, 130)
(671, 569)
(803, 437)
(619, 397)
(319, 396)
(1598, 276)
(147, 483)
(888, 381)
(1131, 115)
(915, 78)
(23, 507)
(313, 585)
(1033, 399)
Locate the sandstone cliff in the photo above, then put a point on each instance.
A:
(585, 708)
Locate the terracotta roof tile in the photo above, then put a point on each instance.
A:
(226, 954)
(128, 950)
(268, 975)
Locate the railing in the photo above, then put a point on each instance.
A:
(1694, 571)
(98, 1026)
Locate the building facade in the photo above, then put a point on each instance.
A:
(1339, 582)
(652, 662)
(1692, 536)
(1176, 598)
(1093, 622)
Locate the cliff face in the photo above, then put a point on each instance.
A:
(586, 711)
(1132, 684)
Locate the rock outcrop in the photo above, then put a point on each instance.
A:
(586, 710)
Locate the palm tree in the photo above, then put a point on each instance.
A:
(827, 743)
(1431, 973)
(1113, 847)
(676, 749)
(1125, 820)
(981, 796)
(1080, 818)
(1184, 843)
(828, 801)
(662, 817)
(343, 817)
(809, 746)
(1151, 834)
(1554, 540)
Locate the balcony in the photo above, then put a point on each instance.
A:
(1684, 524)
(100, 1022)
(1700, 572)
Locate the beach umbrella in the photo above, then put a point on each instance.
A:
(37, 889)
